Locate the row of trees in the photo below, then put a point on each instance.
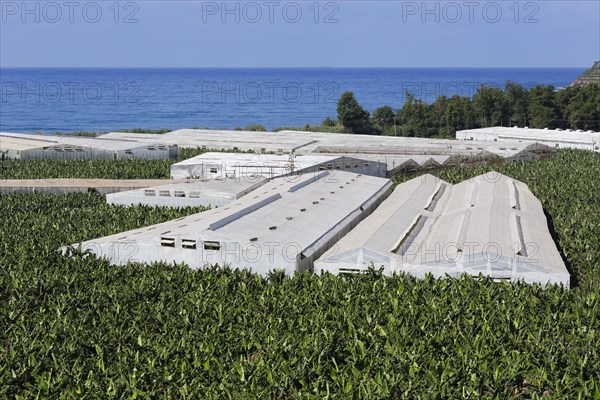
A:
(575, 107)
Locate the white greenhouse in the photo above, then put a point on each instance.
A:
(556, 138)
(242, 166)
(491, 225)
(285, 224)
(52, 147)
(358, 146)
(193, 193)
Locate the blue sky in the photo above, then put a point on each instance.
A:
(151, 33)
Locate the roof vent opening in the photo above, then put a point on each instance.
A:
(167, 242)
(189, 244)
(212, 246)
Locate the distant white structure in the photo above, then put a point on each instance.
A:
(285, 224)
(378, 148)
(557, 138)
(214, 193)
(422, 153)
(52, 147)
(491, 225)
(250, 167)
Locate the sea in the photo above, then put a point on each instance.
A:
(50, 100)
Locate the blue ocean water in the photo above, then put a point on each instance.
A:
(51, 100)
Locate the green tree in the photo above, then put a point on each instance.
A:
(383, 118)
(437, 117)
(415, 118)
(543, 108)
(351, 115)
(490, 106)
(328, 122)
(459, 114)
(580, 106)
(516, 98)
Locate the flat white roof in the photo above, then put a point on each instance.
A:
(229, 189)
(532, 134)
(292, 211)
(26, 141)
(249, 160)
(329, 143)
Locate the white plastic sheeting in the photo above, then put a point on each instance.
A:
(285, 224)
(491, 225)
(341, 144)
(578, 139)
(214, 193)
(246, 167)
(52, 147)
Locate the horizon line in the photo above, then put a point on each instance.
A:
(287, 67)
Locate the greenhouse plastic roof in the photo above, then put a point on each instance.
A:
(214, 192)
(25, 141)
(393, 151)
(298, 212)
(328, 143)
(491, 225)
(532, 135)
(273, 165)
(250, 160)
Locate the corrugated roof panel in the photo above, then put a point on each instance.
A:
(490, 224)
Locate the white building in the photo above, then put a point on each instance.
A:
(193, 193)
(557, 138)
(52, 147)
(243, 166)
(285, 224)
(491, 225)
(357, 146)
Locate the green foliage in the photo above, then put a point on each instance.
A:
(516, 98)
(255, 128)
(543, 108)
(575, 107)
(81, 133)
(351, 115)
(329, 122)
(150, 131)
(490, 106)
(415, 118)
(75, 327)
(383, 118)
(580, 106)
(315, 128)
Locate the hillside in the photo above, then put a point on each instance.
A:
(592, 75)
